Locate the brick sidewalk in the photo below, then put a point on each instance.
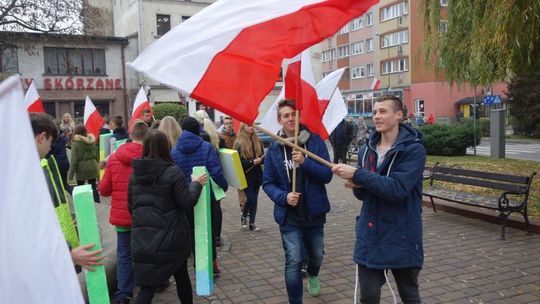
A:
(465, 260)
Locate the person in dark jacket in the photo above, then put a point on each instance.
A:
(388, 180)
(191, 151)
(340, 142)
(119, 132)
(58, 149)
(159, 200)
(251, 151)
(115, 184)
(301, 215)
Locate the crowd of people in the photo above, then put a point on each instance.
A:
(153, 194)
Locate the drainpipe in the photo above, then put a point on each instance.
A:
(124, 81)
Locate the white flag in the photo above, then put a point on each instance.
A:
(35, 263)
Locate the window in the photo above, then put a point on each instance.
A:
(370, 69)
(444, 2)
(369, 45)
(101, 106)
(357, 23)
(369, 19)
(395, 66)
(358, 72)
(344, 30)
(394, 11)
(343, 51)
(419, 107)
(443, 26)
(185, 18)
(9, 62)
(328, 55)
(163, 24)
(357, 48)
(69, 61)
(50, 107)
(394, 39)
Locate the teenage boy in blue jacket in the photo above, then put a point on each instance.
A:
(301, 215)
(388, 180)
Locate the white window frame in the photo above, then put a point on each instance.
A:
(395, 66)
(444, 3)
(443, 26)
(397, 38)
(344, 30)
(358, 72)
(369, 19)
(357, 48)
(369, 45)
(356, 24)
(370, 70)
(394, 11)
(343, 51)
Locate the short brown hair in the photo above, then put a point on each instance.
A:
(398, 105)
(117, 120)
(227, 118)
(138, 130)
(146, 111)
(285, 103)
(43, 122)
(80, 129)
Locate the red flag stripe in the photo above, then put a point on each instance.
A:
(36, 106)
(94, 123)
(253, 59)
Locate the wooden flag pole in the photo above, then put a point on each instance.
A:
(296, 127)
(292, 145)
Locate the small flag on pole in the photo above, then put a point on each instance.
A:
(92, 119)
(375, 84)
(32, 100)
(141, 104)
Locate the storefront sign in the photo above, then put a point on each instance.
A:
(79, 83)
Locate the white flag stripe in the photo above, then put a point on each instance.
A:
(31, 95)
(210, 31)
(89, 108)
(139, 100)
(35, 263)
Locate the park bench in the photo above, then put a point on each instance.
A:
(512, 191)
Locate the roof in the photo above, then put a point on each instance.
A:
(10, 36)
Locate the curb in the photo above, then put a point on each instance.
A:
(514, 221)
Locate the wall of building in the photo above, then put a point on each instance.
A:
(66, 92)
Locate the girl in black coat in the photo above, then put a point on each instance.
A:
(159, 197)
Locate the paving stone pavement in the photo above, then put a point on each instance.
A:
(465, 260)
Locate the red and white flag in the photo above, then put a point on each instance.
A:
(35, 262)
(32, 100)
(330, 105)
(92, 119)
(141, 104)
(230, 53)
(375, 84)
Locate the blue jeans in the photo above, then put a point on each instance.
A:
(124, 267)
(250, 207)
(297, 242)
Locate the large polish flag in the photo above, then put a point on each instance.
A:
(141, 104)
(35, 262)
(92, 119)
(229, 55)
(32, 100)
(331, 105)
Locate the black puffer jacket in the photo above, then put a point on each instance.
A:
(158, 200)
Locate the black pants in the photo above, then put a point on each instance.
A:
(371, 281)
(217, 219)
(92, 182)
(183, 288)
(340, 153)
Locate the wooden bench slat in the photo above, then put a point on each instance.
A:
(478, 182)
(486, 175)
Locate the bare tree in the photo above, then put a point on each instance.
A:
(58, 16)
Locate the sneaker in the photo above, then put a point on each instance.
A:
(253, 228)
(162, 287)
(243, 222)
(314, 286)
(217, 272)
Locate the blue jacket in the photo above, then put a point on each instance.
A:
(389, 227)
(191, 151)
(276, 182)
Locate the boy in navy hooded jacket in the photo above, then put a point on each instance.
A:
(388, 180)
